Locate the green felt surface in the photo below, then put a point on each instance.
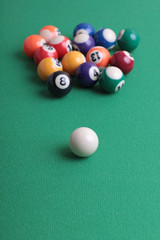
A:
(45, 192)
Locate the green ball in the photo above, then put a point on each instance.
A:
(128, 39)
(111, 79)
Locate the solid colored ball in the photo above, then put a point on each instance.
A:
(128, 39)
(99, 56)
(72, 60)
(59, 83)
(105, 37)
(122, 60)
(83, 142)
(32, 43)
(62, 45)
(111, 79)
(48, 32)
(84, 28)
(83, 43)
(47, 66)
(87, 74)
(44, 52)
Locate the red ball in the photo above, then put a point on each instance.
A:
(32, 43)
(122, 60)
(44, 52)
(62, 45)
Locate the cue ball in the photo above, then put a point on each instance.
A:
(83, 142)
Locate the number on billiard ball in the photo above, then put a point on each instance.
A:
(59, 83)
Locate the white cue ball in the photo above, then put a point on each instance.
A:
(83, 142)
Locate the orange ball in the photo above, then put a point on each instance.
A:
(99, 56)
(32, 43)
(48, 66)
(48, 32)
(71, 61)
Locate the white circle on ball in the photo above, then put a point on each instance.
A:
(68, 46)
(83, 58)
(46, 34)
(57, 40)
(75, 47)
(119, 86)
(62, 81)
(43, 42)
(48, 48)
(83, 142)
(121, 34)
(95, 56)
(81, 38)
(109, 35)
(56, 62)
(114, 73)
(58, 32)
(80, 31)
(128, 55)
(94, 73)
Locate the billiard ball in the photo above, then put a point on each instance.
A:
(98, 55)
(32, 43)
(83, 142)
(83, 43)
(128, 39)
(71, 61)
(105, 37)
(47, 66)
(111, 79)
(62, 45)
(48, 32)
(44, 52)
(84, 28)
(87, 74)
(59, 83)
(122, 60)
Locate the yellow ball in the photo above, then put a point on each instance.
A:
(47, 66)
(71, 61)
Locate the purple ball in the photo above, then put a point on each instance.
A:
(87, 74)
(83, 43)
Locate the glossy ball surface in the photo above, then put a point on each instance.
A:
(44, 52)
(111, 79)
(47, 66)
(84, 28)
(32, 43)
(62, 45)
(87, 74)
(83, 142)
(99, 56)
(71, 61)
(122, 60)
(83, 43)
(59, 83)
(48, 32)
(128, 39)
(105, 37)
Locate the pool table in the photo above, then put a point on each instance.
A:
(46, 192)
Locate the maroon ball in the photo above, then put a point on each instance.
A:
(122, 60)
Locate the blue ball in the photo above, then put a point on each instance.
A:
(105, 37)
(87, 74)
(84, 28)
(83, 43)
